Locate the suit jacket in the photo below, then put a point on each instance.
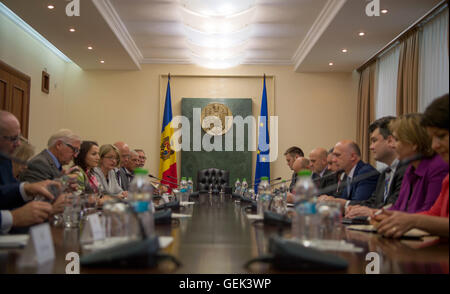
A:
(377, 198)
(10, 196)
(123, 179)
(40, 168)
(363, 189)
(293, 181)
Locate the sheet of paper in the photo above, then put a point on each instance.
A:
(255, 217)
(165, 241)
(180, 215)
(187, 203)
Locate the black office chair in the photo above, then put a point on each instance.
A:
(217, 177)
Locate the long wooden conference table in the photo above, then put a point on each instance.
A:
(219, 239)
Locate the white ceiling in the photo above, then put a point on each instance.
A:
(306, 34)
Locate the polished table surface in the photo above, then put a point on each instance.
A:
(220, 239)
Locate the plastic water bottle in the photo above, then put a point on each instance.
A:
(190, 186)
(183, 183)
(284, 189)
(244, 187)
(140, 198)
(305, 219)
(264, 196)
(237, 187)
(184, 195)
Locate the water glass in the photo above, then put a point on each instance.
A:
(330, 220)
(72, 211)
(89, 201)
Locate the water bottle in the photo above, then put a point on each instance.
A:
(264, 196)
(244, 187)
(183, 183)
(140, 198)
(305, 219)
(190, 185)
(184, 195)
(237, 187)
(284, 189)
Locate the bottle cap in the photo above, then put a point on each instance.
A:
(304, 173)
(183, 178)
(264, 178)
(140, 171)
(244, 180)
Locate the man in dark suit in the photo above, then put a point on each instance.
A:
(389, 183)
(123, 175)
(14, 195)
(291, 155)
(63, 147)
(347, 157)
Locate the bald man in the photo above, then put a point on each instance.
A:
(16, 207)
(318, 165)
(347, 156)
(122, 172)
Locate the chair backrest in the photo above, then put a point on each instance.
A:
(214, 176)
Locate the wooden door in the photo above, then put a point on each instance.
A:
(15, 94)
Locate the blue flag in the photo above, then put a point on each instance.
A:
(262, 158)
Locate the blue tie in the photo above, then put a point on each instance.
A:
(348, 187)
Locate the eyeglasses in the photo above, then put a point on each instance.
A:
(13, 139)
(74, 149)
(111, 158)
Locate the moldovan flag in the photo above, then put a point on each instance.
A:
(168, 156)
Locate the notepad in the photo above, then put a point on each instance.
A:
(255, 217)
(180, 215)
(186, 203)
(413, 233)
(13, 241)
(164, 241)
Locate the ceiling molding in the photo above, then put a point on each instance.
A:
(110, 15)
(268, 61)
(328, 13)
(32, 32)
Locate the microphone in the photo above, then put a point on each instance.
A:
(172, 178)
(162, 180)
(254, 183)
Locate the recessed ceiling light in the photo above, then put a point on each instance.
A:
(50, 6)
(331, 64)
(102, 61)
(72, 30)
(90, 47)
(384, 11)
(361, 34)
(344, 50)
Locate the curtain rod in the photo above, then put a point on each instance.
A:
(424, 18)
(216, 76)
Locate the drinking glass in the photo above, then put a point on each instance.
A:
(72, 211)
(330, 220)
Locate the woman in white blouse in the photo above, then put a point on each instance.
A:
(105, 172)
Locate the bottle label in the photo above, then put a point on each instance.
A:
(140, 206)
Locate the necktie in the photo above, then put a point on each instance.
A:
(386, 182)
(349, 180)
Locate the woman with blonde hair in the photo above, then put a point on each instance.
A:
(24, 152)
(423, 178)
(105, 172)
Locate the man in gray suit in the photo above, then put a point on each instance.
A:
(123, 176)
(63, 147)
(390, 181)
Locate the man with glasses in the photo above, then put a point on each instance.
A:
(142, 157)
(63, 147)
(121, 172)
(16, 207)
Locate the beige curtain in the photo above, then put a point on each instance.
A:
(408, 75)
(366, 109)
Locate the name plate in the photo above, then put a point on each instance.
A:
(39, 249)
(93, 230)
